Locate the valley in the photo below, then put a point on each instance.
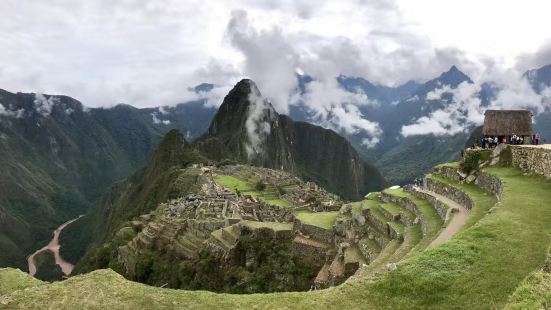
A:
(54, 247)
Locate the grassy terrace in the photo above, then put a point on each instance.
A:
(321, 219)
(480, 268)
(271, 225)
(269, 195)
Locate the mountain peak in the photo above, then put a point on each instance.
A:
(454, 77)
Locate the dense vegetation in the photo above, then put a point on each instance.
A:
(46, 267)
(263, 264)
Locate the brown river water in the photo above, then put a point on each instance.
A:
(53, 246)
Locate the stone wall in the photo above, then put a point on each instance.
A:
(310, 252)
(532, 159)
(489, 183)
(440, 207)
(408, 204)
(326, 235)
(448, 173)
(450, 192)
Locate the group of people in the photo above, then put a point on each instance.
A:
(517, 140)
(489, 142)
(492, 141)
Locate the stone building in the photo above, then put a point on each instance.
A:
(506, 123)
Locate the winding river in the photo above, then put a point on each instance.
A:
(53, 246)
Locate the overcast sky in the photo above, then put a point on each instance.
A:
(147, 53)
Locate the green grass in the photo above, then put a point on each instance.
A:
(477, 269)
(271, 225)
(533, 293)
(268, 195)
(321, 219)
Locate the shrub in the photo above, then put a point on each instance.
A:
(473, 159)
(260, 186)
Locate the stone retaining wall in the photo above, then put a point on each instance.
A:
(489, 183)
(382, 226)
(448, 173)
(450, 192)
(408, 204)
(317, 255)
(440, 207)
(376, 235)
(532, 159)
(326, 235)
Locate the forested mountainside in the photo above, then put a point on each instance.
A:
(57, 157)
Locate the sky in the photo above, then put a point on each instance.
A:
(148, 53)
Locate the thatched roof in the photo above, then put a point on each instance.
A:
(507, 122)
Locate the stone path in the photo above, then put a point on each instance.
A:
(458, 220)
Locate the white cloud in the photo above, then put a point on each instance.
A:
(157, 120)
(7, 112)
(44, 105)
(260, 115)
(466, 110)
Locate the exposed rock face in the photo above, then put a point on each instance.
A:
(247, 128)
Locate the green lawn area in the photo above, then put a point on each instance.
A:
(480, 268)
(269, 195)
(321, 219)
(272, 225)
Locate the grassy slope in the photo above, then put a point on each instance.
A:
(478, 269)
(321, 219)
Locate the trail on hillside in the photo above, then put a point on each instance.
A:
(458, 220)
(53, 246)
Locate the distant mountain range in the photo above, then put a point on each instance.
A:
(401, 159)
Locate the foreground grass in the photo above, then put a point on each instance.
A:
(246, 187)
(477, 269)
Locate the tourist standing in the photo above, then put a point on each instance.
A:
(537, 138)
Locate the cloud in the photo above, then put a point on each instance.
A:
(156, 120)
(260, 115)
(43, 105)
(466, 110)
(11, 113)
(272, 61)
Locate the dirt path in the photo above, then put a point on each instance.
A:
(458, 220)
(53, 246)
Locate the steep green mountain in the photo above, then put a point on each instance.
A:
(246, 128)
(57, 157)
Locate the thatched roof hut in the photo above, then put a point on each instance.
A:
(507, 122)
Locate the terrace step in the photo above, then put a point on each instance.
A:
(428, 218)
(230, 235)
(217, 238)
(353, 260)
(369, 248)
